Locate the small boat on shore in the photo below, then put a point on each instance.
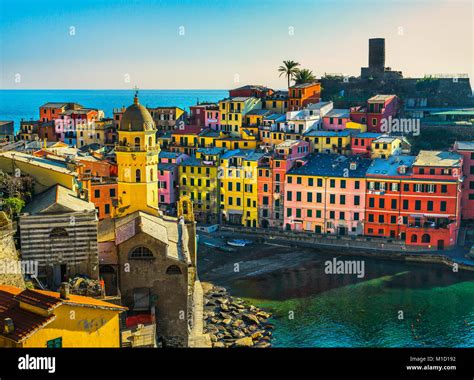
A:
(239, 242)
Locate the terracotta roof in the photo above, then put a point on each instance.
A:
(25, 322)
(34, 298)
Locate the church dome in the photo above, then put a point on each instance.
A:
(136, 118)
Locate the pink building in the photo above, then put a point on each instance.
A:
(271, 180)
(336, 119)
(204, 115)
(326, 195)
(168, 177)
(466, 149)
(378, 107)
(362, 142)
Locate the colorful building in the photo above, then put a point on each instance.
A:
(204, 115)
(335, 120)
(233, 111)
(239, 187)
(300, 95)
(329, 141)
(167, 118)
(251, 90)
(378, 107)
(168, 177)
(199, 180)
(415, 199)
(271, 181)
(361, 143)
(137, 160)
(43, 319)
(466, 149)
(326, 195)
(276, 102)
(52, 110)
(185, 140)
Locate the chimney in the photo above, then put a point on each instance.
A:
(8, 326)
(64, 291)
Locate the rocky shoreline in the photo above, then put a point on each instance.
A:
(232, 322)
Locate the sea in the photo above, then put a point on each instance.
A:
(396, 304)
(24, 104)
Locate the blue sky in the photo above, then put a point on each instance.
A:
(221, 44)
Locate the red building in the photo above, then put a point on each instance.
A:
(51, 111)
(271, 181)
(378, 107)
(361, 143)
(466, 149)
(250, 90)
(415, 199)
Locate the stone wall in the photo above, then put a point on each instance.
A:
(9, 254)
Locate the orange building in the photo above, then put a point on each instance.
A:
(51, 111)
(303, 94)
(103, 193)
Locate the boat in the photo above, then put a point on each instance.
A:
(239, 242)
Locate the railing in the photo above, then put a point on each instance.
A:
(124, 148)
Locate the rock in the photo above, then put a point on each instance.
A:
(226, 321)
(218, 345)
(264, 315)
(214, 320)
(252, 328)
(262, 345)
(224, 315)
(269, 326)
(222, 301)
(257, 335)
(243, 342)
(237, 323)
(213, 337)
(224, 307)
(238, 334)
(250, 318)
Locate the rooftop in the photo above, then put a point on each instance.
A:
(316, 133)
(304, 85)
(26, 322)
(380, 98)
(368, 135)
(332, 165)
(438, 159)
(38, 161)
(57, 198)
(388, 167)
(338, 112)
(465, 145)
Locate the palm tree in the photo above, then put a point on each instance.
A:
(289, 69)
(304, 76)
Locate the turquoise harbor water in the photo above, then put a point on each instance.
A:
(312, 309)
(18, 104)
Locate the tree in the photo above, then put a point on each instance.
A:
(304, 76)
(13, 206)
(289, 69)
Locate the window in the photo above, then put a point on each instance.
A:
(356, 216)
(332, 198)
(290, 179)
(394, 204)
(343, 183)
(309, 197)
(356, 200)
(138, 175)
(332, 183)
(96, 193)
(371, 202)
(311, 181)
(443, 206)
(112, 192)
(173, 269)
(430, 206)
(141, 253)
(425, 238)
(342, 200)
(320, 182)
(107, 209)
(417, 205)
(58, 232)
(137, 142)
(55, 343)
(357, 185)
(289, 196)
(298, 196)
(405, 204)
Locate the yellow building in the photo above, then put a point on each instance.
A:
(246, 141)
(94, 133)
(44, 319)
(233, 111)
(45, 173)
(386, 146)
(359, 128)
(239, 187)
(277, 102)
(199, 180)
(137, 160)
(186, 139)
(329, 141)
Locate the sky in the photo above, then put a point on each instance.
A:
(220, 44)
